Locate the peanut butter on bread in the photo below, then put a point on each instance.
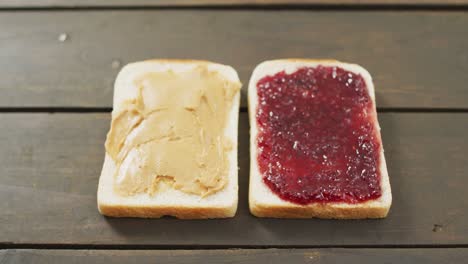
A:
(172, 134)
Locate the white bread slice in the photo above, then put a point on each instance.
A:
(263, 202)
(172, 202)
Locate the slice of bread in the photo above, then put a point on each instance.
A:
(263, 202)
(171, 202)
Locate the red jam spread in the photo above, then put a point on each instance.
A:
(317, 140)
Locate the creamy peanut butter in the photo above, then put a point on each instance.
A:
(172, 134)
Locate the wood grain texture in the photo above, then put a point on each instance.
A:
(50, 165)
(224, 3)
(418, 59)
(272, 256)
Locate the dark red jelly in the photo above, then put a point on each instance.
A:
(317, 140)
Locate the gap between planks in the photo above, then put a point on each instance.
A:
(441, 6)
(212, 247)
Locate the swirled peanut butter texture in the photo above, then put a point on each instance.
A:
(172, 134)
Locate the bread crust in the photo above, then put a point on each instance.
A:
(160, 211)
(325, 211)
(279, 208)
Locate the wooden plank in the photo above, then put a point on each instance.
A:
(418, 59)
(272, 256)
(224, 3)
(50, 165)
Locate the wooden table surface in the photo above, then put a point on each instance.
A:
(58, 61)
